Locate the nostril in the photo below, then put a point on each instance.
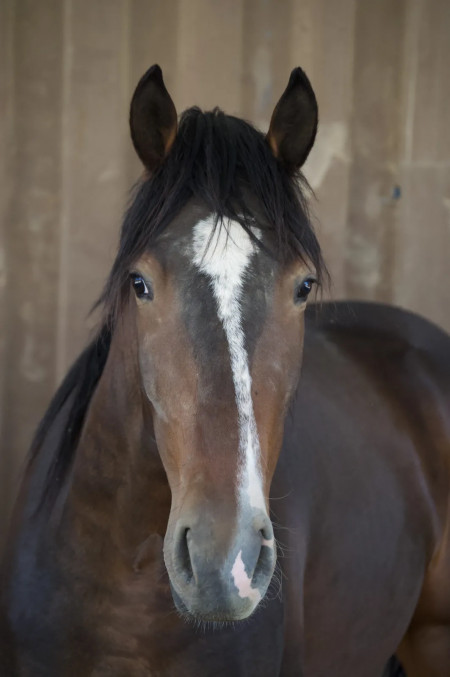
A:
(182, 554)
(267, 535)
(264, 526)
(265, 564)
(266, 559)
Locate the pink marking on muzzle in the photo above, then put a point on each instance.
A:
(242, 582)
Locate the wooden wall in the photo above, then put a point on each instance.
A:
(380, 169)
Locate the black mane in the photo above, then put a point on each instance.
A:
(220, 160)
(79, 385)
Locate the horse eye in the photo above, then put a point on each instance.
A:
(140, 287)
(303, 290)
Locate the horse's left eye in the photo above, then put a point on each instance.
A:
(302, 290)
(140, 287)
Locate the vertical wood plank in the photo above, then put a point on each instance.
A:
(32, 229)
(322, 42)
(266, 32)
(423, 243)
(431, 131)
(93, 162)
(377, 119)
(152, 38)
(209, 54)
(6, 183)
(423, 231)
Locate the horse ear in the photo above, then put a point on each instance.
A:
(153, 119)
(294, 122)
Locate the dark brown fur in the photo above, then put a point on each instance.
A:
(144, 434)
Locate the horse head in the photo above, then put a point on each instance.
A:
(217, 300)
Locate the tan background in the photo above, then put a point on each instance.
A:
(381, 71)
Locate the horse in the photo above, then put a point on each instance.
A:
(229, 482)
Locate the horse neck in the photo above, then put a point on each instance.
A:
(119, 481)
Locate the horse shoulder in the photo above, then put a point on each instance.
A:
(364, 467)
(394, 361)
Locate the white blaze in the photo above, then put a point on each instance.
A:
(224, 255)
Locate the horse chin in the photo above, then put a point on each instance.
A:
(221, 612)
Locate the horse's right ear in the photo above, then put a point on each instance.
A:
(153, 119)
(293, 126)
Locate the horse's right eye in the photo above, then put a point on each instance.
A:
(140, 287)
(303, 290)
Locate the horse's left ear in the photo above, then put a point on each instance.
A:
(294, 122)
(153, 119)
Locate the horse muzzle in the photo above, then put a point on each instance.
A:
(218, 573)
